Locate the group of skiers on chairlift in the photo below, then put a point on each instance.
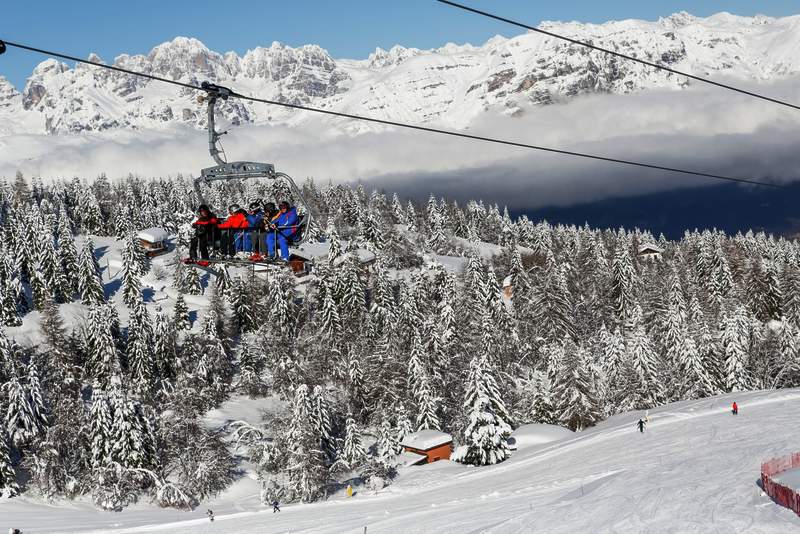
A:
(248, 233)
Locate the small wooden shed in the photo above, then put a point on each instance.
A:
(650, 251)
(153, 241)
(431, 444)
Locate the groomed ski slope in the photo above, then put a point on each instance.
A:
(695, 469)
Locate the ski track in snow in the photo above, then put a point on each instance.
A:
(694, 469)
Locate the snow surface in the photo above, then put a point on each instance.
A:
(790, 478)
(426, 439)
(695, 469)
(538, 434)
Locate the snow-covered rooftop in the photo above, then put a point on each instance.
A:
(650, 247)
(426, 439)
(153, 235)
(410, 458)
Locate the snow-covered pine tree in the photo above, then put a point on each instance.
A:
(734, 341)
(552, 304)
(763, 290)
(101, 348)
(67, 252)
(139, 350)
(536, 398)
(100, 421)
(306, 467)
(241, 299)
(165, 347)
(436, 239)
(573, 391)
(90, 285)
(624, 283)
(41, 293)
(387, 446)
(8, 476)
(693, 378)
(60, 354)
(488, 428)
(786, 369)
(643, 359)
(22, 423)
(39, 406)
(131, 271)
(52, 271)
(131, 438)
(721, 277)
(180, 314)
(420, 388)
(9, 312)
(353, 455)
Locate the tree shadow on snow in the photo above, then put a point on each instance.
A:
(111, 288)
(99, 252)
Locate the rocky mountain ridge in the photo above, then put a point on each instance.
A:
(450, 86)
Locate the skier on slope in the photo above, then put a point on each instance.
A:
(641, 424)
(275, 507)
(210, 515)
(735, 408)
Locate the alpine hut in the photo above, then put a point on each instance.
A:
(650, 251)
(429, 445)
(153, 241)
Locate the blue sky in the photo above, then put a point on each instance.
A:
(351, 28)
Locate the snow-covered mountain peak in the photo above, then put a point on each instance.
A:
(186, 57)
(450, 86)
(677, 20)
(381, 59)
(8, 93)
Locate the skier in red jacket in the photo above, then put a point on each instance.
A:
(233, 241)
(735, 408)
(204, 228)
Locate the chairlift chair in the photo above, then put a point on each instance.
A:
(237, 171)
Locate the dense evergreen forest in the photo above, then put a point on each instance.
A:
(361, 355)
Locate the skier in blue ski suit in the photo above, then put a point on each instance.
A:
(283, 226)
(255, 218)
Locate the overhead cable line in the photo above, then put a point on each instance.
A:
(206, 87)
(619, 54)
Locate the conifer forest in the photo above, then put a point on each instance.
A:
(107, 402)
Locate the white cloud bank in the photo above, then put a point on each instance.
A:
(704, 129)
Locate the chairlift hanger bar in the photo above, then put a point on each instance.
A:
(618, 54)
(215, 89)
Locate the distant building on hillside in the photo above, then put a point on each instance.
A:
(650, 251)
(508, 287)
(427, 446)
(153, 241)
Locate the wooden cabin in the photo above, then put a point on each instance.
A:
(650, 251)
(429, 445)
(153, 241)
(508, 287)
